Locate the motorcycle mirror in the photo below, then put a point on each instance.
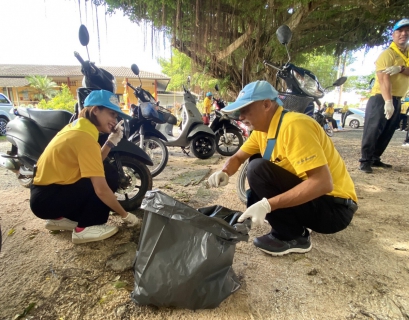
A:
(135, 69)
(83, 35)
(284, 34)
(216, 87)
(340, 81)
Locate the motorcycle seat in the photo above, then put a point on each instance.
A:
(50, 119)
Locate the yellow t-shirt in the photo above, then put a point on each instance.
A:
(404, 107)
(399, 82)
(207, 105)
(302, 145)
(74, 153)
(329, 112)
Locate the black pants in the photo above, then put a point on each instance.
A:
(77, 201)
(344, 117)
(322, 215)
(377, 130)
(404, 119)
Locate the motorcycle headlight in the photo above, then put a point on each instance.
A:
(309, 85)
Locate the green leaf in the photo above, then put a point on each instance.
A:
(11, 232)
(120, 284)
(25, 312)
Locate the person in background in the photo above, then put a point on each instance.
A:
(73, 189)
(406, 106)
(207, 106)
(403, 117)
(329, 113)
(384, 105)
(345, 113)
(300, 181)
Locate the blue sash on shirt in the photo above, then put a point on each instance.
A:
(272, 142)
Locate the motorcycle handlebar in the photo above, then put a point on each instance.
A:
(132, 87)
(77, 55)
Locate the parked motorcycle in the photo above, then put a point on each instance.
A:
(142, 126)
(302, 89)
(197, 137)
(324, 122)
(229, 137)
(32, 130)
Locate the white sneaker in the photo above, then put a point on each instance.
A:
(406, 144)
(94, 233)
(61, 224)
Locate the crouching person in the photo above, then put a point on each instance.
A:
(70, 188)
(300, 181)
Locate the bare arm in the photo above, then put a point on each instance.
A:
(385, 85)
(106, 195)
(104, 151)
(319, 182)
(233, 163)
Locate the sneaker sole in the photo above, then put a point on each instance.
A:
(291, 250)
(57, 228)
(103, 237)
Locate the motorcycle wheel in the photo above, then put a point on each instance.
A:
(328, 130)
(157, 151)
(137, 181)
(203, 146)
(24, 180)
(241, 183)
(233, 143)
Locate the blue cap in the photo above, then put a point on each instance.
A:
(400, 24)
(209, 94)
(254, 91)
(106, 99)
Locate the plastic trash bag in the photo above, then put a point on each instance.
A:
(185, 256)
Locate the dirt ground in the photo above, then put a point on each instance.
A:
(359, 273)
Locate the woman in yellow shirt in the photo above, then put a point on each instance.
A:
(329, 113)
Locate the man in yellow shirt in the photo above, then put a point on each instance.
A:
(384, 105)
(403, 115)
(207, 106)
(300, 182)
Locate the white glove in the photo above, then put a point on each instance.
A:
(257, 212)
(392, 70)
(219, 178)
(389, 109)
(131, 220)
(116, 136)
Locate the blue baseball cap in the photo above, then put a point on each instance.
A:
(254, 91)
(106, 99)
(400, 24)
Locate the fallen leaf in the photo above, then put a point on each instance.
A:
(25, 312)
(11, 232)
(120, 284)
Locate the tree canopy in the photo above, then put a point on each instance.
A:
(221, 36)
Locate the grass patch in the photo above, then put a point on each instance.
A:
(2, 138)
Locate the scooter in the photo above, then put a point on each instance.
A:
(196, 136)
(142, 126)
(32, 130)
(229, 137)
(302, 88)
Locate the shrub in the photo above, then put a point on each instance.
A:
(64, 100)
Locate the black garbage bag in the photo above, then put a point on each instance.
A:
(184, 257)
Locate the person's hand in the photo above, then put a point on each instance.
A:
(389, 109)
(219, 178)
(131, 220)
(116, 136)
(257, 213)
(392, 70)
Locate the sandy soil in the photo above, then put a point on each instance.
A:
(359, 273)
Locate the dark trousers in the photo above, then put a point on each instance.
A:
(77, 201)
(377, 130)
(344, 117)
(404, 119)
(322, 215)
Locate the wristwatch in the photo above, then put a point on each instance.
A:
(110, 144)
(402, 68)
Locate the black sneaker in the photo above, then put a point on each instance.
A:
(365, 167)
(271, 245)
(380, 164)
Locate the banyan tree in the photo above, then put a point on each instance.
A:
(231, 38)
